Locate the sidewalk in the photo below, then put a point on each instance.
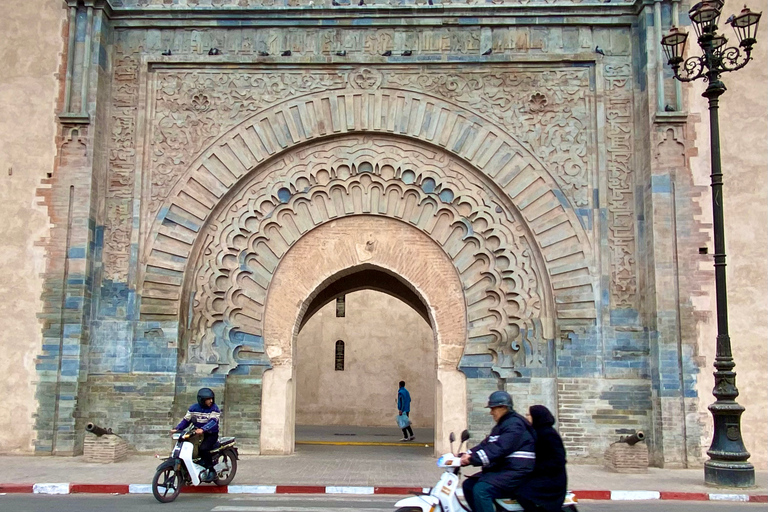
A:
(386, 467)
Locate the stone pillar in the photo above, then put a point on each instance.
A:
(450, 407)
(74, 245)
(277, 413)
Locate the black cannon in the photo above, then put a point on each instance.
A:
(97, 430)
(633, 439)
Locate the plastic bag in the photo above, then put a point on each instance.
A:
(403, 420)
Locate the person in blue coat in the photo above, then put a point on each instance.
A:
(205, 415)
(404, 407)
(506, 455)
(545, 489)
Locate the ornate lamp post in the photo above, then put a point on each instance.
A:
(727, 464)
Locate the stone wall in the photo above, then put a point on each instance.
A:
(31, 58)
(570, 203)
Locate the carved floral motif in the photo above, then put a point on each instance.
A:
(545, 109)
(194, 107)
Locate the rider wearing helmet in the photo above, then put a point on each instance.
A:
(506, 455)
(205, 416)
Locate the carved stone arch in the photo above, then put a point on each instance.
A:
(344, 245)
(291, 125)
(508, 293)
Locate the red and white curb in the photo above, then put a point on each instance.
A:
(70, 488)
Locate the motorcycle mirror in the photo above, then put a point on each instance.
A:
(464, 435)
(452, 437)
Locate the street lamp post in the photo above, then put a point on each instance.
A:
(727, 464)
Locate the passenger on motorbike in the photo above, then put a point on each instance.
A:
(205, 417)
(545, 488)
(506, 455)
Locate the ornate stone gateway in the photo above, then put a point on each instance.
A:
(228, 163)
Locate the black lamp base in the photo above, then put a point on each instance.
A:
(729, 473)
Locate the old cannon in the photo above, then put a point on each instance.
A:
(105, 446)
(627, 455)
(97, 430)
(633, 439)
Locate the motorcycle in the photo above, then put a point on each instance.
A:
(181, 468)
(443, 495)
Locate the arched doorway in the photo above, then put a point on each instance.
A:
(493, 214)
(352, 352)
(362, 245)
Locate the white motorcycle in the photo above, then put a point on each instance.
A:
(181, 468)
(443, 496)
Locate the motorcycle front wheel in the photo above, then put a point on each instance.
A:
(225, 476)
(166, 484)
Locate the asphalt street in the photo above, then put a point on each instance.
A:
(227, 503)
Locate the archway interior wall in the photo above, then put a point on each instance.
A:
(384, 341)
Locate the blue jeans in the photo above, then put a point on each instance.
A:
(480, 495)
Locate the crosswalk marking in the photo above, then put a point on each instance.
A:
(288, 508)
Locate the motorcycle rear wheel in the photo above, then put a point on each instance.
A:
(408, 509)
(226, 476)
(166, 484)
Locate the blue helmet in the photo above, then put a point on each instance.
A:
(203, 395)
(500, 399)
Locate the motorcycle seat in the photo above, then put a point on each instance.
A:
(223, 442)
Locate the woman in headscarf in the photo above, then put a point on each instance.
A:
(545, 489)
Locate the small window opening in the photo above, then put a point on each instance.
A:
(340, 307)
(339, 356)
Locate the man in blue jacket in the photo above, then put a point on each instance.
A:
(507, 456)
(205, 416)
(404, 407)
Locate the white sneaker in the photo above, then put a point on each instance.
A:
(404, 439)
(411, 438)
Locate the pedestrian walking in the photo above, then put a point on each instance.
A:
(404, 412)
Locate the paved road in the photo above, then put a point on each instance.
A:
(226, 503)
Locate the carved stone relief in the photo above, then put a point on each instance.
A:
(121, 170)
(194, 107)
(507, 168)
(238, 4)
(621, 197)
(545, 109)
(242, 244)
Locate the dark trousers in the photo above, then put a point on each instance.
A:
(407, 429)
(204, 450)
(480, 495)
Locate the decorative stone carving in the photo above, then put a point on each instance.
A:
(194, 107)
(254, 229)
(545, 109)
(121, 170)
(504, 164)
(240, 4)
(621, 197)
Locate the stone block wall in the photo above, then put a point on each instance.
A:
(577, 158)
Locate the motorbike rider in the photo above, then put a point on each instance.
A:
(205, 416)
(506, 455)
(545, 489)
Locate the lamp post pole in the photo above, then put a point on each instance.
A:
(727, 464)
